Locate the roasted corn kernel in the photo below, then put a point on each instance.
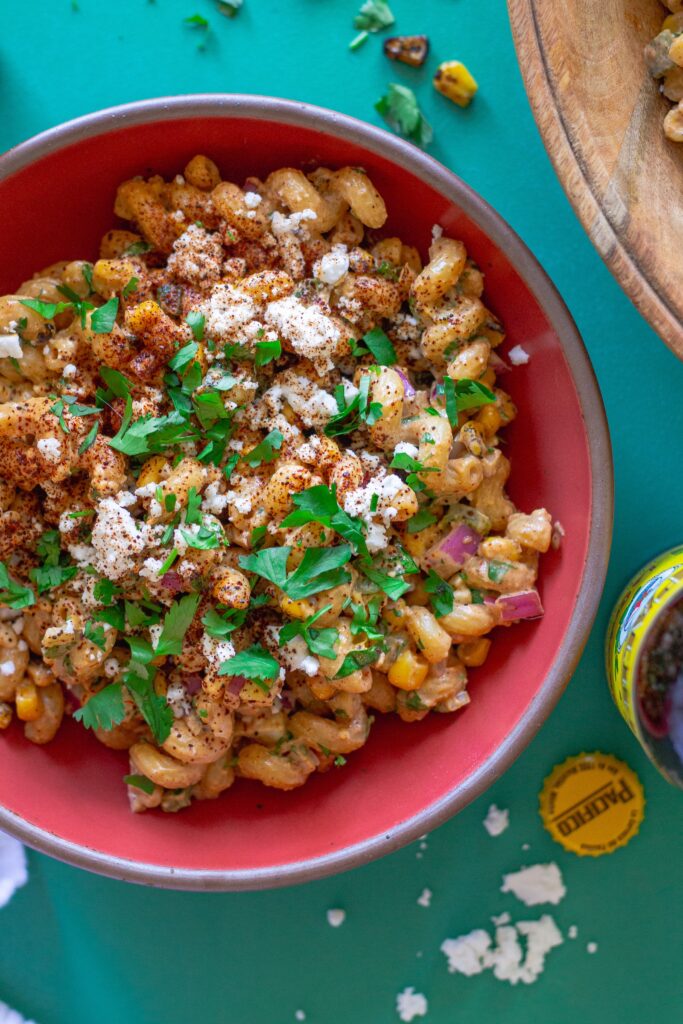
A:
(454, 81)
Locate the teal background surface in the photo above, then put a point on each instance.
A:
(77, 949)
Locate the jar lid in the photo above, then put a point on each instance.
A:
(592, 804)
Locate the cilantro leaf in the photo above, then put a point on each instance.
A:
(440, 594)
(350, 415)
(137, 248)
(183, 356)
(270, 563)
(89, 439)
(462, 395)
(50, 576)
(319, 505)
(254, 663)
(421, 520)
(176, 623)
(266, 451)
(196, 321)
(267, 351)
(153, 708)
(105, 591)
(374, 16)
(365, 619)
(104, 710)
(14, 594)
(393, 586)
(355, 661)
(119, 385)
(320, 569)
(400, 110)
(379, 345)
(319, 641)
(150, 433)
(223, 625)
(104, 318)
(130, 287)
(206, 538)
(139, 782)
(95, 634)
(48, 310)
(194, 504)
(497, 570)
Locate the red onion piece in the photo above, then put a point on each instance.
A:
(449, 555)
(408, 389)
(172, 581)
(235, 685)
(525, 604)
(498, 364)
(192, 682)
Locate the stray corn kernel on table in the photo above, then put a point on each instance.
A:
(78, 948)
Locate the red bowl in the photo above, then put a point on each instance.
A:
(67, 799)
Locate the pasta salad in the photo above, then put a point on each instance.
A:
(252, 488)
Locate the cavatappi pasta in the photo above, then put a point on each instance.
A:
(664, 58)
(252, 488)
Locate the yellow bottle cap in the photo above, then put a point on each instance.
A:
(592, 804)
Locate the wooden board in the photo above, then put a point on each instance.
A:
(600, 115)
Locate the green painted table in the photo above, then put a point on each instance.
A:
(76, 948)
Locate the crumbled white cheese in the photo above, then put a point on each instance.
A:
(437, 232)
(376, 537)
(10, 346)
(68, 627)
(592, 947)
(312, 404)
(227, 312)
(573, 931)
(197, 255)
(82, 553)
(471, 954)
(350, 390)
(309, 331)
(300, 1015)
(213, 500)
(149, 569)
(496, 820)
(126, 499)
(540, 883)
(23, 646)
(296, 657)
(252, 200)
(406, 448)
(425, 898)
(333, 266)
(501, 918)
(69, 371)
(18, 625)
(336, 917)
(178, 700)
(518, 356)
(411, 1004)
(7, 668)
(13, 868)
(116, 539)
(50, 448)
(111, 667)
(281, 225)
(216, 651)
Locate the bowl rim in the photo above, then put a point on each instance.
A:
(453, 188)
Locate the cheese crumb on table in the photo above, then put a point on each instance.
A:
(496, 820)
(13, 867)
(592, 947)
(540, 883)
(10, 1016)
(425, 898)
(573, 931)
(518, 356)
(411, 1004)
(475, 952)
(336, 917)
(300, 1015)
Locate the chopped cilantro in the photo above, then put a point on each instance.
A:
(196, 21)
(168, 562)
(195, 322)
(254, 663)
(378, 344)
(130, 287)
(14, 594)
(414, 701)
(229, 8)
(89, 439)
(440, 594)
(266, 351)
(95, 634)
(339, 761)
(319, 505)
(105, 591)
(358, 41)
(497, 570)
(266, 451)
(400, 110)
(183, 356)
(194, 503)
(356, 661)
(374, 16)
(176, 623)
(320, 569)
(462, 395)
(48, 310)
(421, 520)
(365, 619)
(350, 415)
(393, 586)
(104, 318)
(104, 709)
(139, 782)
(319, 641)
(137, 248)
(206, 539)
